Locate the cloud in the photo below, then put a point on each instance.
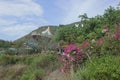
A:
(6, 22)
(17, 31)
(73, 8)
(78, 7)
(20, 8)
(19, 17)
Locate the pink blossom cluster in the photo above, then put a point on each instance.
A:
(85, 44)
(100, 41)
(71, 48)
(117, 35)
(105, 29)
(72, 53)
(69, 56)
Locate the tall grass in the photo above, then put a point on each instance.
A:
(104, 68)
(36, 66)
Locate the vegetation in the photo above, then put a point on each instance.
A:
(104, 68)
(5, 44)
(93, 45)
(34, 67)
(99, 43)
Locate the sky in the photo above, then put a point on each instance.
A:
(20, 17)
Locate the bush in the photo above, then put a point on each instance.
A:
(44, 60)
(39, 65)
(6, 59)
(104, 68)
(33, 74)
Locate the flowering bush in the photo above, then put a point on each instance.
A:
(107, 44)
(70, 56)
(85, 44)
(105, 29)
(117, 34)
(100, 41)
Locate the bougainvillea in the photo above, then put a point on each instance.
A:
(71, 55)
(117, 34)
(105, 29)
(100, 41)
(85, 44)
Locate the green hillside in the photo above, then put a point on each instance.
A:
(43, 41)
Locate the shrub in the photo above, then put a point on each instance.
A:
(6, 59)
(38, 65)
(33, 74)
(104, 68)
(44, 60)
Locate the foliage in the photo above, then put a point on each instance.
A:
(10, 59)
(40, 65)
(68, 34)
(33, 74)
(104, 68)
(36, 66)
(98, 43)
(5, 44)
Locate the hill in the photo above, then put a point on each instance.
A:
(43, 40)
(46, 42)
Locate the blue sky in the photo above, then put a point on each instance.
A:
(19, 17)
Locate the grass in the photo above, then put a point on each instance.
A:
(31, 67)
(104, 68)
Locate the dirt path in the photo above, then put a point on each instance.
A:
(58, 75)
(55, 75)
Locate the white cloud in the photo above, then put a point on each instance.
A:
(78, 7)
(6, 22)
(19, 17)
(20, 8)
(17, 31)
(73, 8)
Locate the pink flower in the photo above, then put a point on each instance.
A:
(62, 70)
(71, 58)
(116, 35)
(100, 41)
(118, 28)
(85, 44)
(71, 54)
(70, 48)
(106, 28)
(79, 52)
(64, 56)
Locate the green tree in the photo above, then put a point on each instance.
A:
(68, 34)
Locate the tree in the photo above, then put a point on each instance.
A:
(68, 34)
(109, 15)
(83, 17)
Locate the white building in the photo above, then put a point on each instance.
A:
(47, 32)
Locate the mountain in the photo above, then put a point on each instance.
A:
(37, 37)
